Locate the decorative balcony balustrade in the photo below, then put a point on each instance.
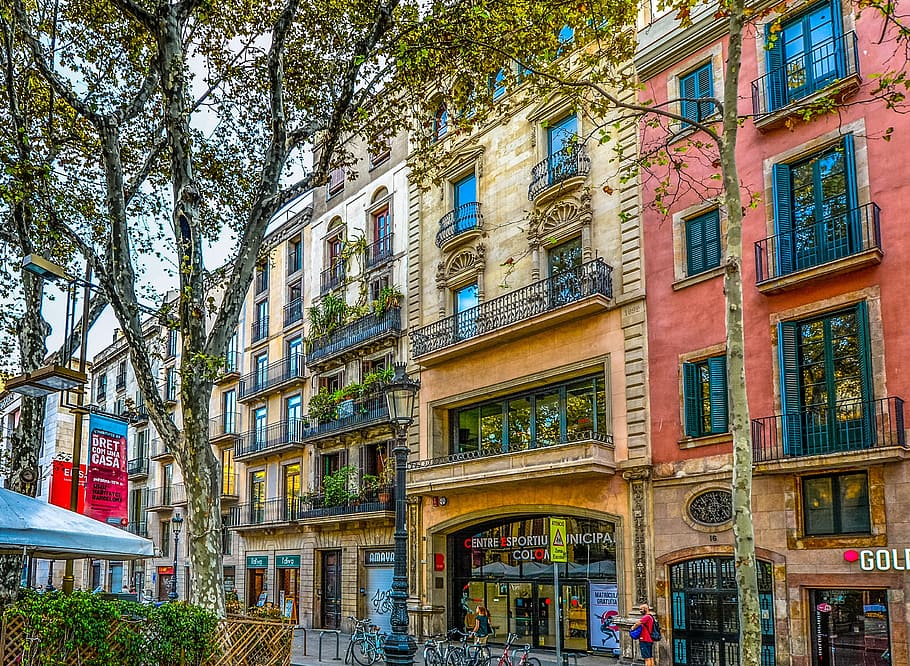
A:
(292, 509)
(288, 369)
(293, 312)
(160, 498)
(356, 334)
(332, 278)
(260, 329)
(138, 466)
(833, 238)
(160, 450)
(559, 167)
(467, 217)
(809, 72)
(590, 279)
(350, 415)
(139, 528)
(139, 414)
(818, 431)
(270, 438)
(379, 251)
(225, 425)
(178, 494)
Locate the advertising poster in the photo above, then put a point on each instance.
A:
(61, 477)
(604, 633)
(106, 488)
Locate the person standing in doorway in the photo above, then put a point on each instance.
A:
(645, 641)
(482, 628)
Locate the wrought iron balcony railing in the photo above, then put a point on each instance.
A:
(178, 494)
(332, 278)
(224, 425)
(467, 217)
(290, 509)
(293, 312)
(139, 528)
(121, 382)
(271, 437)
(138, 466)
(812, 245)
(265, 512)
(350, 415)
(260, 329)
(809, 72)
(139, 413)
(817, 431)
(353, 335)
(230, 363)
(559, 167)
(229, 487)
(158, 498)
(160, 450)
(274, 374)
(590, 279)
(489, 452)
(379, 251)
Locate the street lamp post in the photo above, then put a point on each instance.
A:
(401, 394)
(176, 524)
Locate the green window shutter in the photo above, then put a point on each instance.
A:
(865, 351)
(790, 399)
(783, 217)
(717, 370)
(854, 215)
(691, 400)
(687, 90)
(712, 239)
(695, 251)
(776, 93)
(704, 83)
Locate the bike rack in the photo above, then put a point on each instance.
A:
(331, 632)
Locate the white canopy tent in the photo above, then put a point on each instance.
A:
(43, 530)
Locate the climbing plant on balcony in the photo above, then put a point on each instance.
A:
(339, 487)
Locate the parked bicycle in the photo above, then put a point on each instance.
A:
(436, 648)
(464, 654)
(508, 656)
(367, 645)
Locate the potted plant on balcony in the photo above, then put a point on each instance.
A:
(322, 406)
(386, 478)
(389, 297)
(337, 486)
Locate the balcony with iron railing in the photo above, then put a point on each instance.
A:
(160, 499)
(311, 508)
(293, 312)
(280, 374)
(845, 433)
(379, 251)
(178, 494)
(548, 302)
(349, 416)
(224, 429)
(231, 368)
(271, 439)
(139, 528)
(799, 80)
(370, 330)
(160, 451)
(230, 490)
(259, 330)
(139, 414)
(835, 245)
(579, 453)
(332, 278)
(562, 171)
(463, 223)
(137, 467)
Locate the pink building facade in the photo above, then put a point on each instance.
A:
(824, 257)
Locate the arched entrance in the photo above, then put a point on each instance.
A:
(504, 564)
(705, 613)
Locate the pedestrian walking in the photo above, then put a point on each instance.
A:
(646, 640)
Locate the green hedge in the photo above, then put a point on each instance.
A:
(113, 633)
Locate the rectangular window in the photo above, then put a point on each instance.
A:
(121, 375)
(695, 86)
(703, 242)
(262, 278)
(336, 181)
(331, 382)
(164, 539)
(101, 390)
(705, 396)
(569, 411)
(230, 357)
(172, 343)
(228, 473)
(261, 324)
(229, 411)
(836, 504)
(466, 301)
(170, 385)
(852, 624)
(826, 383)
(142, 444)
(257, 496)
(295, 255)
(816, 212)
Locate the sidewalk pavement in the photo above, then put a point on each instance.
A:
(312, 638)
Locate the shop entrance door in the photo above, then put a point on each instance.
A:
(255, 586)
(331, 589)
(533, 613)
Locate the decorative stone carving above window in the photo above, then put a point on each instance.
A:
(463, 267)
(561, 220)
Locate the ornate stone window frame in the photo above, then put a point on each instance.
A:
(462, 267)
(562, 220)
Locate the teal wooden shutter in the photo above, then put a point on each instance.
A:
(695, 240)
(869, 412)
(783, 218)
(776, 93)
(790, 399)
(855, 239)
(717, 371)
(691, 400)
(688, 108)
(704, 83)
(712, 239)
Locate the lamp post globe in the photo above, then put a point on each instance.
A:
(401, 397)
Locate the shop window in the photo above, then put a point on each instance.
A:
(805, 54)
(816, 213)
(702, 242)
(694, 86)
(836, 504)
(549, 415)
(850, 627)
(826, 383)
(705, 396)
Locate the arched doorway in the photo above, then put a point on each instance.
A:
(504, 564)
(705, 613)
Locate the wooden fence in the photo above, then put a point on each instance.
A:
(242, 642)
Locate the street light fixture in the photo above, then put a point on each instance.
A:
(401, 397)
(176, 524)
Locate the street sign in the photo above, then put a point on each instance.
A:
(558, 550)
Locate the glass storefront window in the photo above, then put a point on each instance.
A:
(850, 628)
(519, 424)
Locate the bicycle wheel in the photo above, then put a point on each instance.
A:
(431, 657)
(532, 661)
(349, 653)
(364, 652)
(456, 657)
(480, 655)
